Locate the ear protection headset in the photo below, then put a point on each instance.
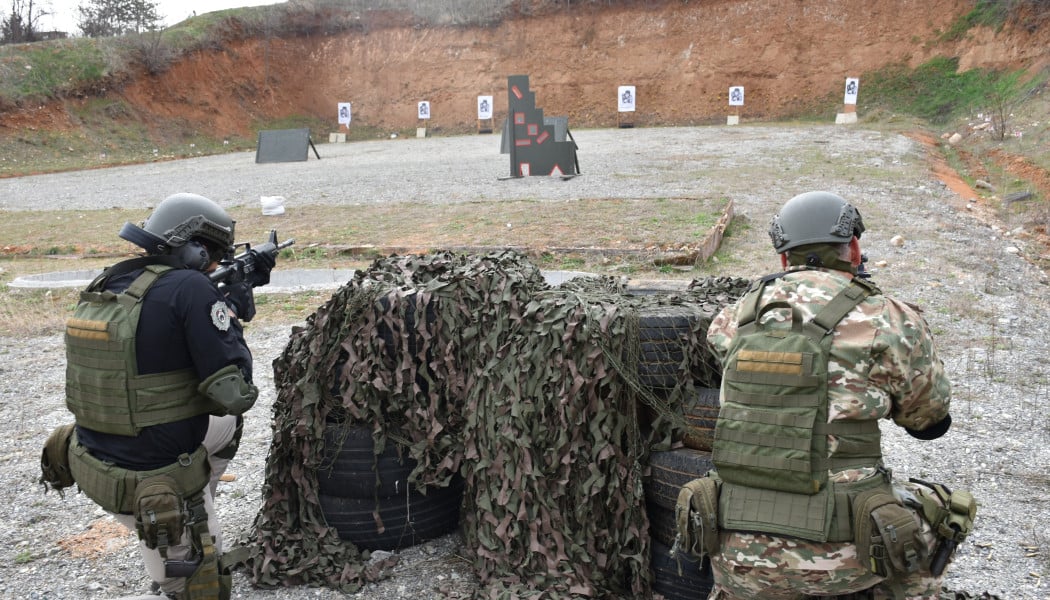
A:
(193, 254)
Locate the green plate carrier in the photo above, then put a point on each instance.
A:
(103, 388)
(771, 438)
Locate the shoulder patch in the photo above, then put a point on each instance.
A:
(220, 315)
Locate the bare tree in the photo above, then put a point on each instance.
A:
(1002, 99)
(151, 51)
(21, 25)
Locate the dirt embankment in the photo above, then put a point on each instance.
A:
(682, 58)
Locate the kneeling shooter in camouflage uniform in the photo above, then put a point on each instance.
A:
(813, 357)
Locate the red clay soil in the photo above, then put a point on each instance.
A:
(1038, 178)
(682, 58)
(1023, 168)
(941, 169)
(982, 207)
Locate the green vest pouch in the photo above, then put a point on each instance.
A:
(888, 535)
(159, 513)
(696, 518)
(54, 460)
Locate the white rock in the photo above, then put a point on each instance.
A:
(897, 240)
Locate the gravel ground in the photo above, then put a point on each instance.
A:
(986, 304)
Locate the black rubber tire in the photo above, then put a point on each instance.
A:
(694, 583)
(666, 323)
(663, 334)
(672, 469)
(349, 468)
(660, 365)
(408, 520)
(701, 413)
(414, 343)
(409, 323)
(662, 527)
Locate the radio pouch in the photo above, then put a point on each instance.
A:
(696, 518)
(888, 534)
(160, 515)
(54, 460)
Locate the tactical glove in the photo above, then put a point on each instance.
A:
(262, 264)
(241, 298)
(933, 431)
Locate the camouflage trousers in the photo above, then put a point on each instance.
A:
(768, 567)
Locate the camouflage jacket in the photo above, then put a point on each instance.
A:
(882, 362)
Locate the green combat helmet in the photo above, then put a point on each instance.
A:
(181, 225)
(810, 226)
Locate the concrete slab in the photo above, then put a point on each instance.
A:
(281, 280)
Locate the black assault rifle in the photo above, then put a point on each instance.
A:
(862, 269)
(239, 268)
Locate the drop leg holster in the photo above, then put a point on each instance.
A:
(206, 581)
(207, 574)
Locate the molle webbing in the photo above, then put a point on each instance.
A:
(826, 516)
(103, 388)
(772, 436)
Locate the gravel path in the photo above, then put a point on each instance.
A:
(987, 306)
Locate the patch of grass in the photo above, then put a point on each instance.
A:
(572, 264)
(23, 557)
(986, 13)
(35, 312)
(934, 91)
(737, 228)
(47, 70)
(109, 134)
(706, 220)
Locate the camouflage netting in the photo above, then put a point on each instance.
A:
(482, 370)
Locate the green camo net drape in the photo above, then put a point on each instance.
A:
(482, 370)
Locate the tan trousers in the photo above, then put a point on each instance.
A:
(220, 434)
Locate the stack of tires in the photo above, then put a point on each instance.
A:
(667, 336)
(680, 577)
(368, 499)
